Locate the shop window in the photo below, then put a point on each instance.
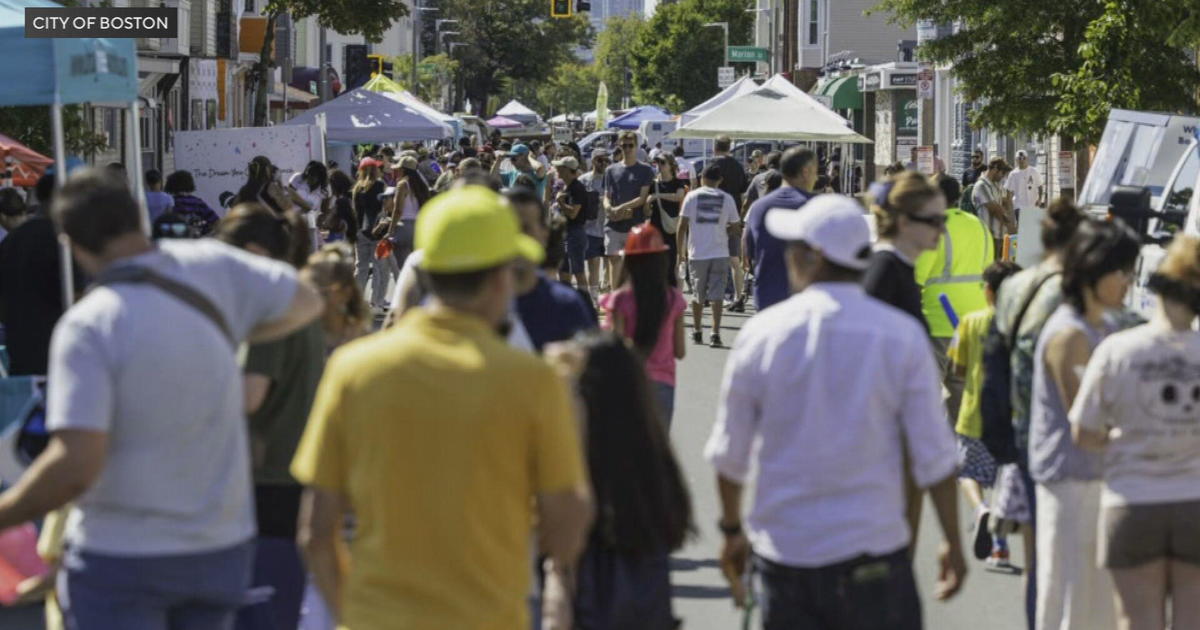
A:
(197, 115)
(814, 21)
(210, 111)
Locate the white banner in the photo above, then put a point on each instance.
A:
(218, 158)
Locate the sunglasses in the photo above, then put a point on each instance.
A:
(936, 221)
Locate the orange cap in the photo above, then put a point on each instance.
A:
(644, 239)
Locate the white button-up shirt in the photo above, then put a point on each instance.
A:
(825, 392)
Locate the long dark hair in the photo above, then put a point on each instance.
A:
(648, 275)
(284, 237)
(1097, 249)
(316, 176)
(641, 498)
(260, 172)
(416, 185)
(340, 183)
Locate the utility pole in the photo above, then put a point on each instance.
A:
(322, 65)
(416, 42)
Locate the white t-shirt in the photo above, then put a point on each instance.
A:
(162, 381)
(1024, 185)
(1142, 386)
(984, 192)
(313, 197)
(708, 211)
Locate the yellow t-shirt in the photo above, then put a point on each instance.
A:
(440, 435)
(967, 350)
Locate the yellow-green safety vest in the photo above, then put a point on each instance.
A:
(956, 269)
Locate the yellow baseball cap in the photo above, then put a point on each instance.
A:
(470, 229)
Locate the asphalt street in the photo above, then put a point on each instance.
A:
(988, 601)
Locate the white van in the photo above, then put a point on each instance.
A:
(659, 131)
(1153, 162)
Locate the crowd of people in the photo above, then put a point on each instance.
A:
(233, 444)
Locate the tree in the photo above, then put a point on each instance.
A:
(513, 39)
(614, 50)
(369, 18)
(676, 57)
(1058, 67)
(433, 73)
(30, 125)
(571, 88)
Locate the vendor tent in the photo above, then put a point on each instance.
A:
(636, 116)
(362, 116)
(503, 122)
(742, 86)
(770, 114)
(27, 165)
(514, 110)
(380, 83)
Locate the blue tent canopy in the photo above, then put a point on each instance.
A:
(360, 116)
(43, 70)
(633, 118)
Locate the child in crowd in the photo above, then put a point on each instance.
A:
(978, 469)
(649, 312)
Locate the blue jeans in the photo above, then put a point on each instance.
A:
(664, 395)
(864, 593)
(575, 246)
(277, 564)
(201, 591)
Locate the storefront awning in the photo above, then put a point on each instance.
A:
(843, 93)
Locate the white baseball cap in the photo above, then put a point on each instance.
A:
(833, 224)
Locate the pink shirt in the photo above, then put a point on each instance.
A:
(660, 366)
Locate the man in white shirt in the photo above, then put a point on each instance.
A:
(824, 395)
(703, 235)
(993, 204)
(1025, 185)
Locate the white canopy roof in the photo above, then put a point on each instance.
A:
(742, 86)
(362, 116)
(772, 114)
(409, 98)
(516, 110)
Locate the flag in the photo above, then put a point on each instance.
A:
(602, 106)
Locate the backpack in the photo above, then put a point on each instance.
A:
(967, 203)
(591, 208)
(995, 396)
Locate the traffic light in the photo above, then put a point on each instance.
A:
(583, 6)
(357, 67)
(560, 8)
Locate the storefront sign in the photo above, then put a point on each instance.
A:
(902, 80)
(908, 116)
(1066, 169)
(870, 82)
(925, 162)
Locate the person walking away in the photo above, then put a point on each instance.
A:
(757, 188)
(977, 467)
(470, 421)
(368, 206)
(182, 187)
(347, 315)
(338, 222)
(1075, 593)
(764, 252)
(411, 194)
(157, 201)
(665, 198)
(31, 299)
(280, 380)
(953, 269)
(627, 186)
(1137, 393)
(994, 204)
(549, 310)
(1033, 295)
(573, 204)
(593, 180)
(687, 171)
(910, 215)
(704, 224)
(648, 311)
(826, 532)
(976, 170)
(175, 549)
(733, 183)
(1025, 185)
(309, 189)
(622, 580)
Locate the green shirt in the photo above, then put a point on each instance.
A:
(966, 350)
(294, 365)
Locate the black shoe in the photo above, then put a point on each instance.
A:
(739, 306)
(697, 336)
(714, 340)
(983, 538)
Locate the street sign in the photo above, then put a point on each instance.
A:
(748, 53)
(925, 82)
(1066, 170)
(927, 30)
(925, 162)
(427, 67)
(725, 77)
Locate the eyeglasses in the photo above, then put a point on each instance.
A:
(936, 221)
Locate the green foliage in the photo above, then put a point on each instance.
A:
(571, 89)
(30, 125)
(613, 53)
(1048, 67)
(676, 57)
(432, 73)
(514, 39)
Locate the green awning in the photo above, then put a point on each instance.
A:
(843, 91)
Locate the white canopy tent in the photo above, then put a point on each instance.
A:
(772, 114)
(742, 86)
(518, 112)
(361, 116)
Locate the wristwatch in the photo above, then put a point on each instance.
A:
(729, 530)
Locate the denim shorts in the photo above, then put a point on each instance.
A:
(595, 247)
(576, 245)
(198, 591)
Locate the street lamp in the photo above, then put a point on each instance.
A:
(770, 11)
(443, 34)
(416, 42)
(725, 27)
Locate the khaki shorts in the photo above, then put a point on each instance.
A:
(1132, 535)
(709, 278)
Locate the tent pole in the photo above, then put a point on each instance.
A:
(136, 175)
(60, 178)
